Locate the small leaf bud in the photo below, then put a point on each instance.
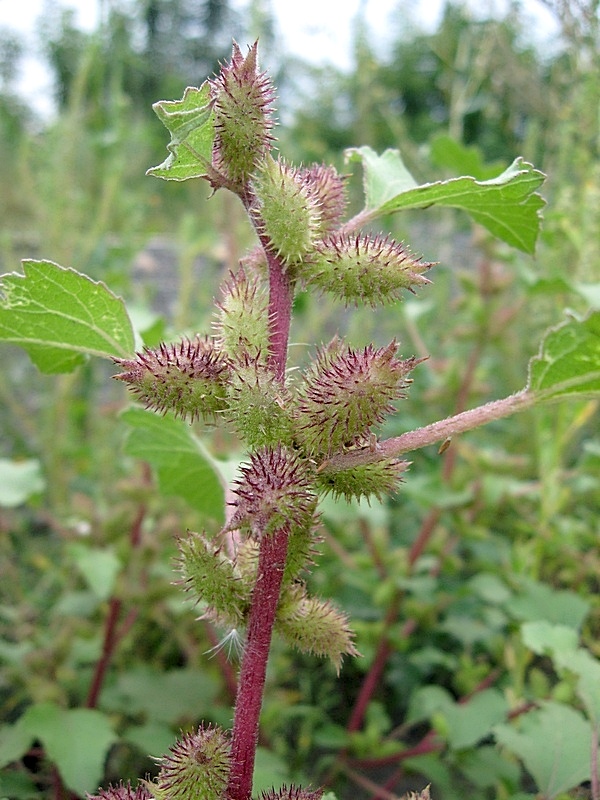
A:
(363, 268)
(242, 106)
(187, 377)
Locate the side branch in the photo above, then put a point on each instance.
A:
(430, 434)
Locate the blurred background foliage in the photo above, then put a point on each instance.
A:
(499, 531)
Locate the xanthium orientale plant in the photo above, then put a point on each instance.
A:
(239, 375)
(307, 434)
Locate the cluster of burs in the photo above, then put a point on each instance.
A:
(291, 422)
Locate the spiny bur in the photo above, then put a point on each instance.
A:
(329, 191)
(287, 210)
(258, 405)
(274, 492)
(363, 268)
(210, 574)
(363, 482)
(313, 625)
(242, 323)
(242, 105)
(347, 392)
(188, 377)
(197, 766)
(123, 791)
(292, 793)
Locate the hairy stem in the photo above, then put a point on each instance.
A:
(271, 564)
(430, 434)
(281, 291)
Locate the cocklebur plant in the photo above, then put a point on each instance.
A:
(306, 434)
(287, 427)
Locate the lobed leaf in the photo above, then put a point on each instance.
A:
(568, 362)
(507, 205)
(554, 744)
(59, 316)
(77, 740)
(470, 722)
(190, 121)
(19, 480)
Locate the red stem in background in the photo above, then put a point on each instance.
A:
(112, 632)
(374, 674)
(112, 637)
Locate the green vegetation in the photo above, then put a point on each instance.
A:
(471, 590)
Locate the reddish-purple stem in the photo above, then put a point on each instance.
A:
(271, 564)
(373, 677)
(265, 596)
(112, 633)
(112, 637)
(595, 777)
(430, 434)
(281, 292)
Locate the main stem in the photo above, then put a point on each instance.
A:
(271, 565)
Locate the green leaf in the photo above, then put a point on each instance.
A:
(568, 362)
(15, 741)
(99, 568)
(182, 465)
(163, 697)
(470, 722)
(561, 643)
(587, 668)
(76, 740)
(426, 701)
(269, 770)
(485, 767)
(190, 122)
(18, 786)
(59, 316)
(590, 293)
(554, 744)
(444, 151)
(507, 205)
(19, 480)
(536, 601)
(546, 639)
(152, 738)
